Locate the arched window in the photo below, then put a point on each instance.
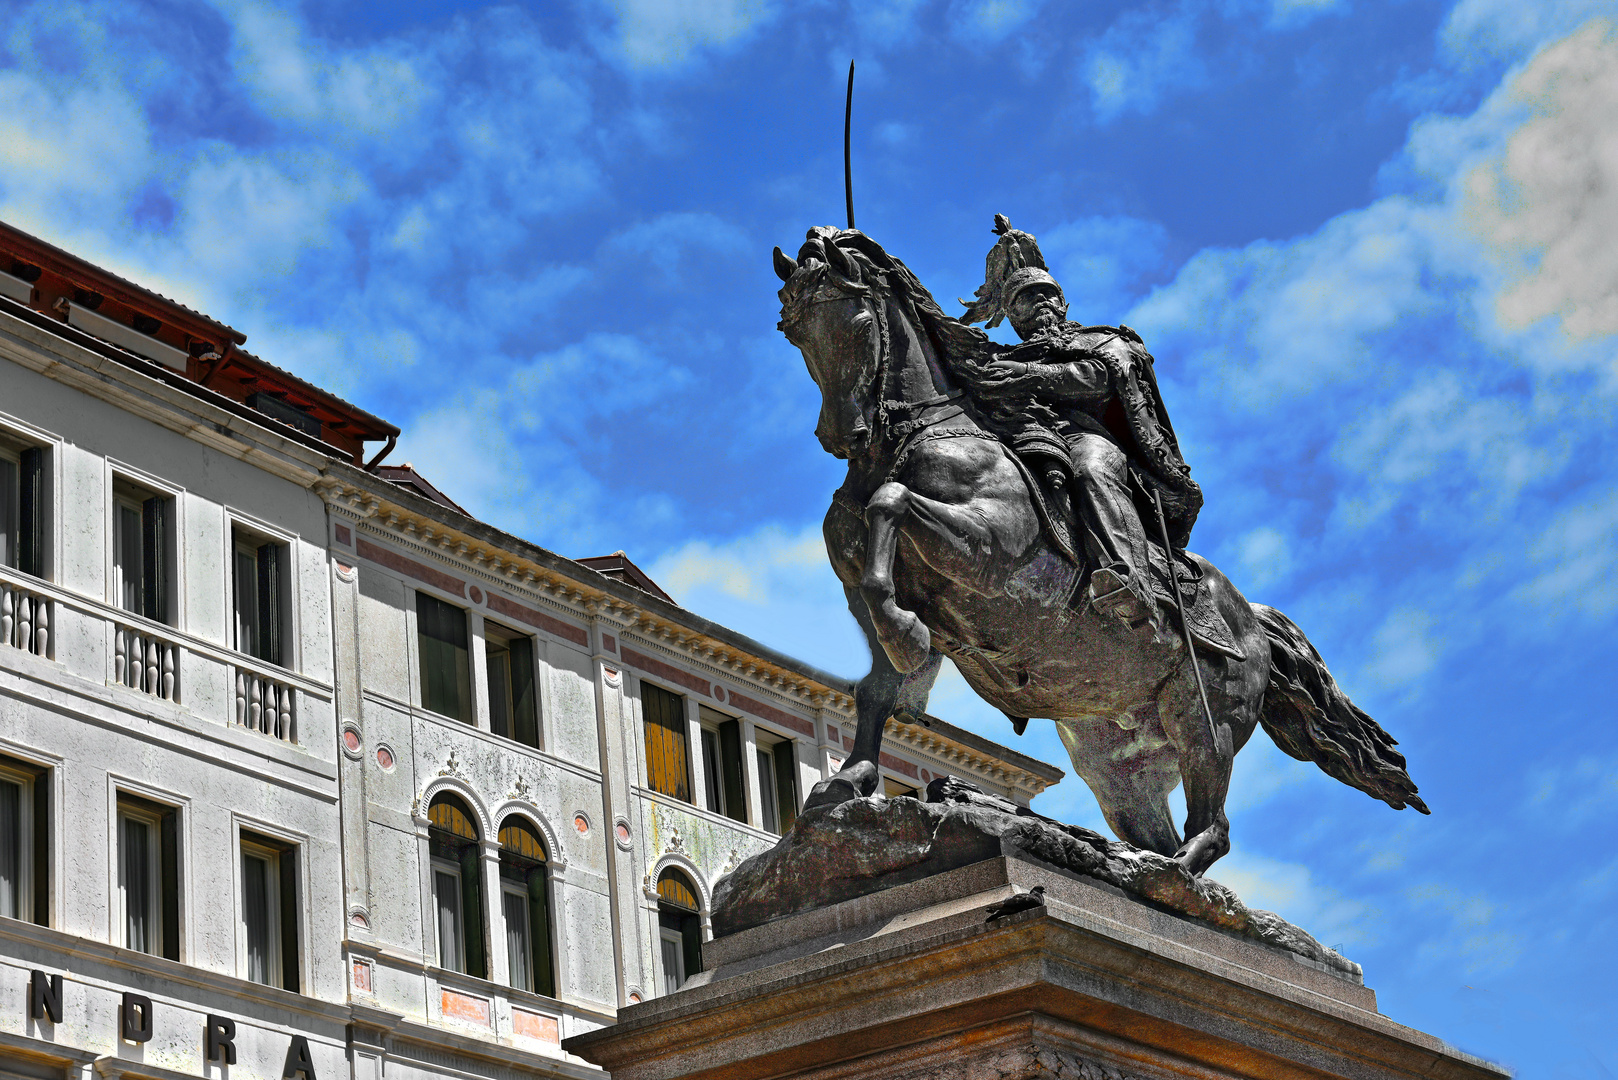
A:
(525, 900)
(452, 838)
(679, 928)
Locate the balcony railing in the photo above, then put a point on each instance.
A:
(25, 619)
(266, 705)
(146, 662)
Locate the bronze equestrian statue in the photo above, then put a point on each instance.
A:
(994, 513)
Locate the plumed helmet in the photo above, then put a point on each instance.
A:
(1013, 264)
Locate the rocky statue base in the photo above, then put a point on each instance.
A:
(864, 845)
(860, 948)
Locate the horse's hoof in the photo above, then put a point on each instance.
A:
(832, 791)
(1202, 851)
(855, 781)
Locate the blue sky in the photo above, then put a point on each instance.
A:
(1369, 244)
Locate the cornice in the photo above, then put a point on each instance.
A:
(925, 740)
(409, 527)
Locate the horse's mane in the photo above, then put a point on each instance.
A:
(963, 349)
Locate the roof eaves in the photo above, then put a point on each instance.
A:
(67, 264)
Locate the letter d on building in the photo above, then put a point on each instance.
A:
(135, 1018)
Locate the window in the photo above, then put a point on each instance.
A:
(679, 929)
(895, 790)
(149, 877)
(525, 901)
(24, 841)
(452, 840)
(260, 584)
(22, 507)
(143, 560)
(722, 764)
(777, 784)
(270, 911)
(445, 665)
(513, 697)
(668, 766)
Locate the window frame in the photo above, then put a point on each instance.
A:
(166, 820)
(771, 766)
(723, 787)
(132, 490)
(153, 824)
(517, 875)
(274, 633)
(30, 837)
(509, 638)
(18, 439)
(287, 889)
(271, 857)
(451, 870)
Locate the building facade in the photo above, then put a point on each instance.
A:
(304, 771)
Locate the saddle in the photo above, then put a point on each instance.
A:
(1208, 626)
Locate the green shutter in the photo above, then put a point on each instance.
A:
(269, 603)
(524, 694)
(730, 759)
(154, 598)
(786, 783)
(539, 931)
(472, 911)
(290, 978)
(169, 883)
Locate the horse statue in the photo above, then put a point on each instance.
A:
(939, 539)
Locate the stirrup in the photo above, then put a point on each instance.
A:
(1119, 601)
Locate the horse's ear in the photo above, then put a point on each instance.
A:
(841, 264)
(784, 266)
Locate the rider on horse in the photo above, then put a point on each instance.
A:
(1080, 405)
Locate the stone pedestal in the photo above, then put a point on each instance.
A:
(911, 981)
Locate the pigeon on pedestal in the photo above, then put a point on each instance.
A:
(1033, 898)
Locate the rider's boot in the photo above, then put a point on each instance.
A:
(1116, 596)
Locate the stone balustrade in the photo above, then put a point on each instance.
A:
(25, 619)
(266, 705)
(146, 661)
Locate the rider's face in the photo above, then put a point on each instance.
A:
(1035, 309)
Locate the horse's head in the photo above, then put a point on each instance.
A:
(829, 311)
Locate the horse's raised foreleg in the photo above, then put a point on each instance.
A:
(902, 634)
(881, 694)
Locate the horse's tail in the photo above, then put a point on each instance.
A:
(1310, 718)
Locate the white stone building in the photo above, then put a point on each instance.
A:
(306, 773)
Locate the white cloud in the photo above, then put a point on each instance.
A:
(298, 82)
(660, 33)
(761, 568)
(1406, 648)
(1549, 204)
(885, 22)
(1101, 262)
(1290, 890)
(991, 20)
(666, 239)
(1576, 558)
(1266, 556)
(1477, 30)
(1139, 58)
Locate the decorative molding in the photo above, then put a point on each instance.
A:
(452, 767)
(476, 558)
